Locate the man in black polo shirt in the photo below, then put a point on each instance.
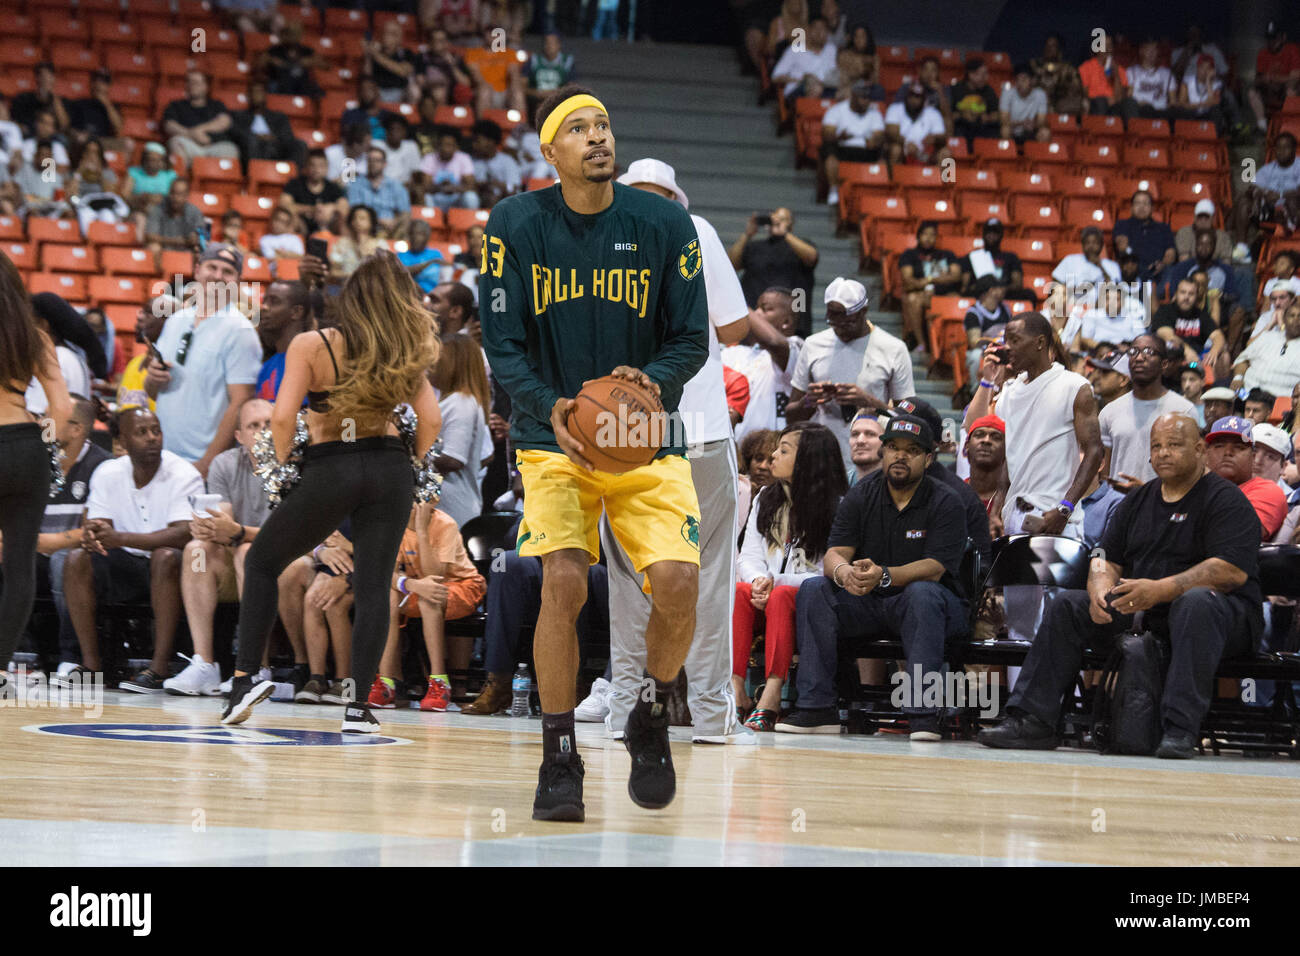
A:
(890, 569)
(977, 519)
(1188, 324)
(312, 198)
(197, 125)
(96, 116)
(1151, 241)
(1184, 549)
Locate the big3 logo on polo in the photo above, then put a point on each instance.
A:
(689, 262)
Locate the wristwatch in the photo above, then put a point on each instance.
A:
(885, 579)
(1065, 508)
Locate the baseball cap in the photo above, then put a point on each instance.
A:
(919, 408)
(1232, 427)
(1112, 361)
(225, 253)
(657, 173)
(994, 223)
(1270, 436)
(988, 421)
(1291, 285)
(1219, 394)
(910, 428)
(1204, 208)
(847, 292)
(158, 148)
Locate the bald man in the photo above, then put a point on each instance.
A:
(1183, 552)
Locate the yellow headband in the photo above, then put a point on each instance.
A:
(561, 113)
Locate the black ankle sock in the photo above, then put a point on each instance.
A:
(652, 697)
(321, 678)
(557, 734)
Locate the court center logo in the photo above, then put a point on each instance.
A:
(691, 531)
(689, 262)
(207, 734)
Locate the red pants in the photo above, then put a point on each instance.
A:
(778, 630)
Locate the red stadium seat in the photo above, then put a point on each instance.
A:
(120, 261)
(975, 210)
(921, 182)
(894, 55)
(1121, 190)
(1155, 131)
(286, 269)
(126, 290)
(18, 53)
(158, 34)
(11, 228)
(432, 215)
(1064, 126)
(535, 182)
(1098, 155)
(295, 107)
(214, 173)
(1198, 160)
(21, 25)
(948, 57)
(1103, 130)
(210, 204)
(1016, 183)
(1051, 157)
(133, 91)
(72, 55)
(997, 154)
(21, 254)
(111, 234)
(72, 86)
(461, 117)
(1031, 251)
(980, 183)
(70, 287)
(1195, 131)
(875, 211)
(60, 25)
(255, 209)
(108, 33)
(138, 128)
(861, 179)
(177, 262)
(256, 269)
(1080, 213)
(938, 210)
(1147, 160)
(1037, 217)
(1081, 186)
(41, 231)
(459, 221)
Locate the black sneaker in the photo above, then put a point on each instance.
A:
(245, 693)
(924, 728)
(145, 682)
(818, 720)
(652, 782)
(1177, 745)
(1019, 731)
(559, 790)
(357, 719)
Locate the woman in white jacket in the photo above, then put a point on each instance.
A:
(785, 539)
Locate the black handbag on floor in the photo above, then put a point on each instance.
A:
(1126, 708)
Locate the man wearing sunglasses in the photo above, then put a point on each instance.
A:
(210, 361)
(1126, 422)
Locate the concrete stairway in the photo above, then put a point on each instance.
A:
(690, 107)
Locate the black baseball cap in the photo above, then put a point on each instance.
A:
(910, 428)
(919, 408)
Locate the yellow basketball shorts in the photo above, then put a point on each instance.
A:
(652, 510)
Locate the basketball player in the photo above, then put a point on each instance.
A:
(355, 467)
(25, 351)
(713, 470)
(585, 279)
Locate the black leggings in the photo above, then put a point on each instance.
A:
(368, 480)
(24, 492)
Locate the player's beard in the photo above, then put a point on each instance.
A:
(600, 176)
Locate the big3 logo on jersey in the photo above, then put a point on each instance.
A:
(689, 262)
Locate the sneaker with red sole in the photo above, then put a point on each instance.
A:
(382, 697)
(437, 697)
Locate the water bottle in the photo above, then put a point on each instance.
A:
(521, 686)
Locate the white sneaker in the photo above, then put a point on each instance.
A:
(357, 719)
(199, 679)
(63, 678)
(833, 197)
(1241, 253)
(262, 675)
(596, 706)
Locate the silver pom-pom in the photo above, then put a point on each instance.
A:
(428, 481)
(57, 478)
(279, 478)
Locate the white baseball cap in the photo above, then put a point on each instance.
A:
(1270, 436)
(656, 173)
(1272, 285)
(1205, 207)
(847, 292)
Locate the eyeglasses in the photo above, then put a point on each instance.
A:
(1148, 351)
(181, 352)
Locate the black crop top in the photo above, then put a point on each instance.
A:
(320, 401)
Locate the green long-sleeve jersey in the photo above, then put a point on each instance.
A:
(564, 298)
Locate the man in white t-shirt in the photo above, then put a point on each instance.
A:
(137, 521)
(704, 414)
(914, 130)
(766, 357)
(76, 375)
(1272, 361)
(1280, 293)
(852, 365)
(1126, 422)
(280, 241)
(814, 57)
(1080, 273)
(1150, 82)
(213, 361)
(853, 132)
(1118, 318)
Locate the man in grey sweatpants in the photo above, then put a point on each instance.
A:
(712, 455)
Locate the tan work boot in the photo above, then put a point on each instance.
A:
(494, 699)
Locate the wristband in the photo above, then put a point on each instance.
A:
(1068, 504)
(315, 552)
(985, 383)
(238, 539)
(401, 584)
(835, 576)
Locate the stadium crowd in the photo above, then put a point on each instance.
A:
(1061, 237)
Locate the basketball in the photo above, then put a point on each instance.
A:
(619, 424)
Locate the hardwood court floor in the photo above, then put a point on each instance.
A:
(460, 792)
